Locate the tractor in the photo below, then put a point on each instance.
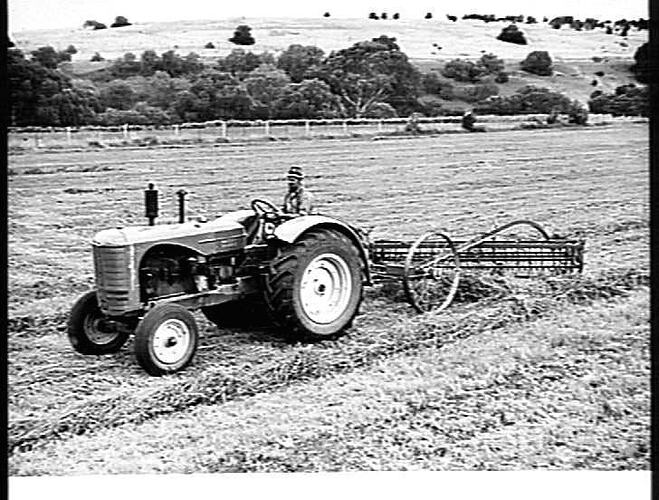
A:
(307, 272)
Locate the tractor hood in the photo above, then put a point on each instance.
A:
(223, 234)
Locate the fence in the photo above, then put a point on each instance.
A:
(234, 130)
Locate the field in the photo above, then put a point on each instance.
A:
(550, 374)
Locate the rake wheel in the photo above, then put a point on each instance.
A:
(432, 272)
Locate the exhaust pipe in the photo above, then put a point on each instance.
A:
(151, 204)
(181, 205)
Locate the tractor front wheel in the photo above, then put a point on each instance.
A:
(89, 330)
(314, 286)
(166, 339)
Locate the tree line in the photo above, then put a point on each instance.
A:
(370, 79)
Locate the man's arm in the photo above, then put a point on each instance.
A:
(305, 203)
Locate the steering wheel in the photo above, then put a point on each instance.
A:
(265, 207)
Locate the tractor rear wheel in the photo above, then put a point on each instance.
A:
(166, 339)
(89, 330)
(314, 286)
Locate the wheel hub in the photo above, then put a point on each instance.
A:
(325, 288)
(171, 341)
(99, 331)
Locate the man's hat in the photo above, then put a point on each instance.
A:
(295, 172)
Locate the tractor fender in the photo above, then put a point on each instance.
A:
(292, 229)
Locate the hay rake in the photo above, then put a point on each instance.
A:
(431, 266)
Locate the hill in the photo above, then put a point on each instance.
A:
(577, 55)
(465, 38)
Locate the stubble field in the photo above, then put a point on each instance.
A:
(551, 374)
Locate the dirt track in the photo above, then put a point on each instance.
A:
(589, 182)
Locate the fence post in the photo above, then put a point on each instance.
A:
(68, 135)
(345, 127)
(379, 125)
(267, 127)
(224, 129)
(307, 128)
(125, 130)
(36, 140)
(176, 127)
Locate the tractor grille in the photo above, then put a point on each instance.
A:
(113, 278)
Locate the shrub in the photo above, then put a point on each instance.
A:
(428, 15)
(493, 64)
(477, 92)
(94, 25)
(468, 71)
(512, 34)
(209, 45)
(97, 57)
(383, 15)
(433, 83)
(326, 14)
(120, 21)
(373, 15)
(628, 100)
(538, 62)
(528, 99)
(463, 70)
(242, 36)
(381, 110)
(577, 113)
(396, 16)
(71, 50)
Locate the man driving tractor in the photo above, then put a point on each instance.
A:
(298, 199)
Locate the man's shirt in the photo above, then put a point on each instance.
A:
(298, 202)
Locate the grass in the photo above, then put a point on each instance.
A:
(567, 391)
(580, 186)
(304, 362)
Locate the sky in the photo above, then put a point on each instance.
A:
(43, 14)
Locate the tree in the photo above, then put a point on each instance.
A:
(120, 21)
(118, 95)
(171, 62)
(242, 36)
(192, 64)
(41, 95)
(308, 99)
(220, 96)
(428, 15)
(300, 61)
(628, 100)
(239, 62)
(538, 62)
(95, 25)
(512, 34)
(71, 50)
(369, 72)
(47, 57)
(164, 89)
(125, 66)
(265, 85)
(149, 63)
